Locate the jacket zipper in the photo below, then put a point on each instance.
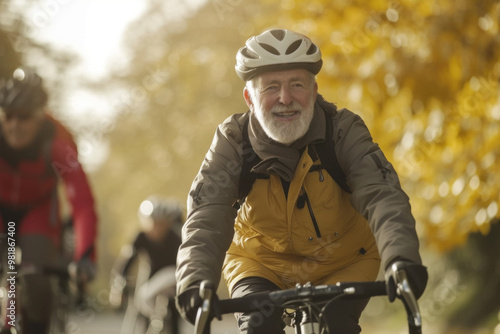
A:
(319, 169)
(321, 177)
(304, 199)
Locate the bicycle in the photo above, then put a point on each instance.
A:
(68, 292)
(149, 308)
(307, 303)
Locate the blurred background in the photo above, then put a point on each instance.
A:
(143, 84)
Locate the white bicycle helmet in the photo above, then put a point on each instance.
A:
(275, 50)
(156, 208)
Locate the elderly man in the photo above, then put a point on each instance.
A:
(298, 221)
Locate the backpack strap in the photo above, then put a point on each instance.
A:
(328, 156)
(249, 159)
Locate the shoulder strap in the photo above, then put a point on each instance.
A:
(328, 156)
(250, 159)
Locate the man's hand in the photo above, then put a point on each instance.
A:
(188, 303)
(416, 273)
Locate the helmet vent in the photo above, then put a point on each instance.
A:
(249, 54)
(270, 48)
(278, 33)
(294, 46)
(312, 49)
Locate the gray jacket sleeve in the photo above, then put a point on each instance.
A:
(376, 190)
(209, 229)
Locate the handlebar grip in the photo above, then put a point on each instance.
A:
(404, 290)
(203, 314)
(206, 287)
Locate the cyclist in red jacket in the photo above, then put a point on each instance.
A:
(36, 152)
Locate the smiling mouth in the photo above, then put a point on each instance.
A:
(286, 114)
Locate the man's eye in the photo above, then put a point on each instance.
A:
(270, 88)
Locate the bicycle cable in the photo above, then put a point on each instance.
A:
(321, 320)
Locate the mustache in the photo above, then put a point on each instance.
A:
(294, 106)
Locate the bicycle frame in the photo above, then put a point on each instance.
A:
(302, 320)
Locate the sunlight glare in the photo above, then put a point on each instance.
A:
(92, 29)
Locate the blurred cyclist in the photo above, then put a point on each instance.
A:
(36, 152)
(157, 244)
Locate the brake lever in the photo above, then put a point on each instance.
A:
(404, 290)
(203, 314)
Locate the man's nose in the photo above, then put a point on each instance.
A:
(285, 96)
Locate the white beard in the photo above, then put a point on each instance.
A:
(285, 132)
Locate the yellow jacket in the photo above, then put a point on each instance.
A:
(312, 234)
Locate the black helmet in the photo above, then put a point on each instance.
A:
(23, 93)
(277, 49)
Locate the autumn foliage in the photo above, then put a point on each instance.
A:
(424, 75)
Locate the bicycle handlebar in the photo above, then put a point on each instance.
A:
(302, 293)
(305, 292)
(61, 272)
(404, 290)
(204, 312)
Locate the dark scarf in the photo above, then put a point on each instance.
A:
(279, 158)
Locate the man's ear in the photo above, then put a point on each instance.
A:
(248, 98)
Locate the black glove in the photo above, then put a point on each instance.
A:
(188, 302)
(416, 273)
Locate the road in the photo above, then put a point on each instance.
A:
(97, 320)
(108, 322)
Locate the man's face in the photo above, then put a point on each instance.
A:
(283, 102)
(156, 229)
(20, 131)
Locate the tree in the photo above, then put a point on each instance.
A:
(424, 76)
(481, 270)
(9, 59)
